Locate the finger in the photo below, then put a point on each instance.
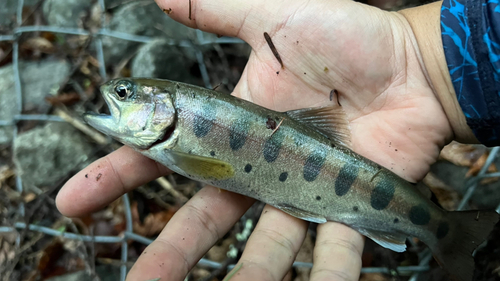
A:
(337, 253)
(272, 247)
(105, 180)
(240, 18)
(190, 234)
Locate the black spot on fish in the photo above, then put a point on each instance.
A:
(442, 230)
(248, 168)
(355, 208)
(238, 133)
(283, 176)
(396, 220)
(347, 175)
(212, 153)
(382, 195)
(203, 121)
(318, 197)
(313, 165)
(419, 215)
(272, 146)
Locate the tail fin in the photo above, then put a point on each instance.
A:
(467, 230)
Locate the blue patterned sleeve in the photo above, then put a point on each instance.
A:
(470, 30)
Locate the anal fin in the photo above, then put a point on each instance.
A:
(395, 242)
(301, 214)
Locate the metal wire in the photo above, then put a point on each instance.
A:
(425, 256)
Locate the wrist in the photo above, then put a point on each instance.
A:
(425, 24)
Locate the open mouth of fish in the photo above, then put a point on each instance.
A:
(109, 123)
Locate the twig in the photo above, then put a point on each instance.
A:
(277, 127)
(168, 187)
(273, 49)
(96, 136)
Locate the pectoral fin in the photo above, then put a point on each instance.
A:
(395, 242)
(203, 167)
(301, 214)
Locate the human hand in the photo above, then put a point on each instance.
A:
(370, 57)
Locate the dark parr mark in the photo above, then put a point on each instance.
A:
(442, 230)
(248, 168)
(212, 153)
(203, 121)
(283, 176)
(355, 208)
(313, 165)
(419, 215)
(347, 175)
(382, 195)
(272, 147)
(238, 134)
(273, 49)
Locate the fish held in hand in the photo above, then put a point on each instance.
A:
(297, 161)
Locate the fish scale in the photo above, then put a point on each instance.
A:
(297, 161)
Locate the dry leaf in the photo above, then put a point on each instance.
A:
(447, 196)
(153, 223)
(38, 44)
(462, 154)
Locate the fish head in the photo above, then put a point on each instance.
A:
(141, 112)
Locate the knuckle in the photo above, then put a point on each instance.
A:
(206, 220)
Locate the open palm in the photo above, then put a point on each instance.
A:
(369, 56)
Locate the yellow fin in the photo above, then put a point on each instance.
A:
(203, 167)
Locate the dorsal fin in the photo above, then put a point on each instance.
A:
(331, 121)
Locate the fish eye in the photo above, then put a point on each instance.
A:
(123, 90)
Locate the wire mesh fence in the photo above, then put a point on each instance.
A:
(128, 234)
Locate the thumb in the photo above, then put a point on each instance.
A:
(243, 19)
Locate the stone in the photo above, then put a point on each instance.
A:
(8, 10)
(141, 18)
(66, 13)
(47, 154)
(158, 59)
(38, 80)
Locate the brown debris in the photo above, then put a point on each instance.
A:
(98, 177)
(189, 10)
(167, 11)
(270, 123)
(63, 99)
(446, 195)
(273, 49)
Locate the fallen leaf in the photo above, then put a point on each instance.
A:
(38, 44)
(447, 196)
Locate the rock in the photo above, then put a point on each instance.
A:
(66, 13)
(158, 59)
(145, 19)
(8, 10)
(46, 154)
(38, 79)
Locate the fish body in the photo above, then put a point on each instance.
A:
(296, 161)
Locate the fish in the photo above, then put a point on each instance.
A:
(299, 161)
